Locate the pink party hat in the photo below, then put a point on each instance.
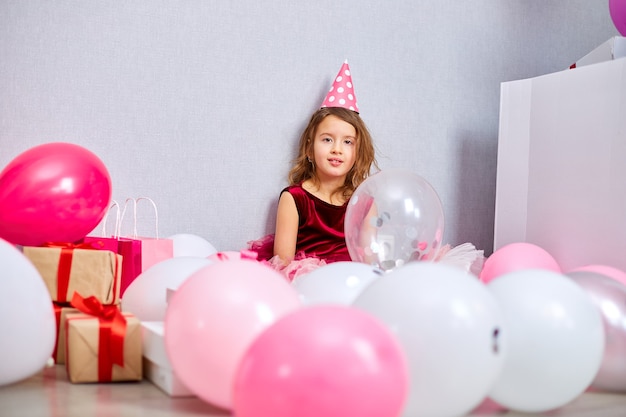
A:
(341, 94)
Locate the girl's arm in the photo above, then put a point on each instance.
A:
(286, 228)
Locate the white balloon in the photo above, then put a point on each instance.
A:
(449, 325)
(27, 322)
(555, 340)
(186, 244)
(145, 297)
(337, 282)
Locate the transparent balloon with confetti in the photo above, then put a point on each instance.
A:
(395, 216)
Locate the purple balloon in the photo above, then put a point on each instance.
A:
(609, 296)
(617, 8)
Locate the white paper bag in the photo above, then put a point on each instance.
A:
(561, 174)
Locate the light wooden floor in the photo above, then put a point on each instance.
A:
(50, 394)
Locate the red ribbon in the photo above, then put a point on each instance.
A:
(65, 265)
(112, 324)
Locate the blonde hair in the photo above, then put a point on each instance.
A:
(365, 151)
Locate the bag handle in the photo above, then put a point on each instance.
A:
(115, 204)
(135, 201)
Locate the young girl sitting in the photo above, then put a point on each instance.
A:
(335, 155)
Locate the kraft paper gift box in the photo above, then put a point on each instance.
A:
(156, 366)
(60, 314)
(90, 350)
(66, 270)
(561, 176)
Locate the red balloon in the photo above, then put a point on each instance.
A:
(56, 192)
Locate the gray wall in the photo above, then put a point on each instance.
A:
(199, 104)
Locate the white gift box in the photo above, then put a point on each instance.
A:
(614, 48)
(561, 173)
(169, 293)
(156, 366)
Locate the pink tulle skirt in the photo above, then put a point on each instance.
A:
(464, 256)
(300, 265)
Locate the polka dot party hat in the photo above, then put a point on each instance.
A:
(341, 94)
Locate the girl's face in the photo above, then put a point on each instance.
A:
(334, 148)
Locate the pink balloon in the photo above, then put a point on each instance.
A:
(517, 256)
(214, 316)
(53, 192)
(617, 9)
(489, 407)
(323, 361)
(608, 271)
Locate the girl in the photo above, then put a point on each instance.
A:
(335, 155)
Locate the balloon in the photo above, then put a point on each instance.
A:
(322, 361)
(232, 255)
(393, 217)
(186, 244)
(145, 297)
(555, 340)
(27, 322)
(451, 329)
(517, 256)
(609, 296)
(608, 271)
(617, 9)
(56, 192)
(213, 317)
(337, 282)
(488, 407)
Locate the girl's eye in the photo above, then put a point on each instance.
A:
(349, 142)
(327, 140)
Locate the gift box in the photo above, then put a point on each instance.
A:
(561, 177)
(157, 368)
(169, 294)
(60, 314)
(66, 270)
(614, 48)
(104, 345)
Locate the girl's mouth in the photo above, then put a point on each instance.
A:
(335, 162)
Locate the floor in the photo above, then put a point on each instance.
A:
(49, 394)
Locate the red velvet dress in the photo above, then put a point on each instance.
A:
(321, 238)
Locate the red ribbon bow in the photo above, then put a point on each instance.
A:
(68, 245)
(111, 336)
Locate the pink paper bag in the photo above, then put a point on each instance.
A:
(141, 252)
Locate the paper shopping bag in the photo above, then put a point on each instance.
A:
(141, 252)
(561, 174)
